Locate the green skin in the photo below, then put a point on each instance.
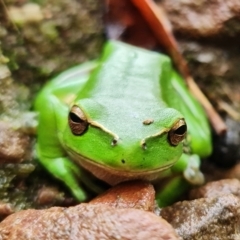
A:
(131, 99)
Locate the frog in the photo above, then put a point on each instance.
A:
(125, 116)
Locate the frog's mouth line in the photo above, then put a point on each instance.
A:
(114, 176)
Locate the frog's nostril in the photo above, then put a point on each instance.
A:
(114, 142)
(123, 161)
(144, 146)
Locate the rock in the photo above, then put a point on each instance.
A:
(85, 221)
(217, 189)
(76, 32)
(5, 209)
(205, 218)
(28, 13)
(136, 194)
(204, 18)
(13, 144)
(48, 195)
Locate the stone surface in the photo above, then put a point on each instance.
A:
(136, 194)
(204, 18)
(217, 189)
(205, 218)
(48, 195)
(5, 209)
(85, 221)
(13, 144)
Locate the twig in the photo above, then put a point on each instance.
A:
(234, 114)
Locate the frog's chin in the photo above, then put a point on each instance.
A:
(114, 176)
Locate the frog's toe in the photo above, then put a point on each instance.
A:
(194, 176)
(193, 173)
(79, 194)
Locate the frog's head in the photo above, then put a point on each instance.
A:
(122, 145)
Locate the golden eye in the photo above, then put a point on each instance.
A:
(77, 121)
(177, 132)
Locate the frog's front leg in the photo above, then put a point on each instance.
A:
(52, 105)
(171, 190)
(50, 151)
(185, 172)
(67, 171)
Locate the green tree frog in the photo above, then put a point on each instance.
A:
(125, 116)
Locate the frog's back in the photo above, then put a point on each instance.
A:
(127, 72)
(131, 85)
(126, 86)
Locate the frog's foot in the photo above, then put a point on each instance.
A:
(92, 185)
(67, 171)
(170, 192)
(192, 173)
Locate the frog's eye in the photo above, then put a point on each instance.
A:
(177, 132)
(77, 121)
